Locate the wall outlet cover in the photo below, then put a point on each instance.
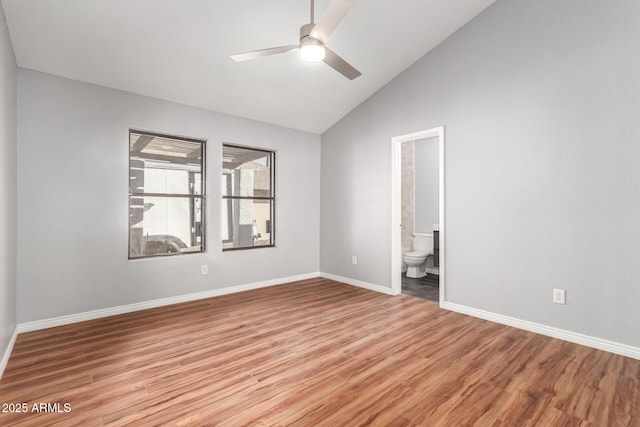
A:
(559, 296)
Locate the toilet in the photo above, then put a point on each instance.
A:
(416, 258)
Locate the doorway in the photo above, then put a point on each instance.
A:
(396, 208)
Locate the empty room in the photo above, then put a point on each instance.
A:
(319, 213)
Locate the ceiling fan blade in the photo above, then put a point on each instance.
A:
(330, 19)
(246, 56)
(340, 65)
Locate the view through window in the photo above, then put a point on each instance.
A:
(166, 195)
(248, 197)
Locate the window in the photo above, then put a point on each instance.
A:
(166, 195)
(248, 197)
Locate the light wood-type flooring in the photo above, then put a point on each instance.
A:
(313, 353)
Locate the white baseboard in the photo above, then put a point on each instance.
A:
(358, 283)
(7, 351)
(432, 270)
(96, 314)
(586, 340)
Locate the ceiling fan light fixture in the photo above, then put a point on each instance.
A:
(311, 50)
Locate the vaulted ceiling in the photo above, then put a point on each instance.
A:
(178, 50)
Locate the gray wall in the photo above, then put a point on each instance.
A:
(427, 185)
(73, 183)
(541, 103)
(8, 186)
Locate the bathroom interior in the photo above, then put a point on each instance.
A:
(420, 219)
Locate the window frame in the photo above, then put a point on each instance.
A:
(272, 197)
(192, 197)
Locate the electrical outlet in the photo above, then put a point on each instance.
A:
(559, 296)
(354, 260)
(204, 269)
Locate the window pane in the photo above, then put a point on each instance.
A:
(165, 225)
(247, 197)
(246, 223)
(164, 165)
(249, 172)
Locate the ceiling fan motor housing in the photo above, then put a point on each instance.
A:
(305, 35)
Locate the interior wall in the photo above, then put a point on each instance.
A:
(427, 186)
(73, 205)
(540, 102)
(8, 187)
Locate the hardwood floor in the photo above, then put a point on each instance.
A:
(313, 353)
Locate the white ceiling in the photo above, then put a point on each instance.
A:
(179, 50)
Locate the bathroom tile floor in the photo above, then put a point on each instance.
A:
(426, 287)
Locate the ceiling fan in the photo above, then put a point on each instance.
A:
(313, 39)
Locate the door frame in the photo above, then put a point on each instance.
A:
(396, 206)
